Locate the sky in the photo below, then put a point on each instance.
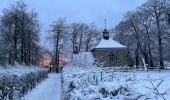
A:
(86, 11)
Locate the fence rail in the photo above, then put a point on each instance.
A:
(140, 68)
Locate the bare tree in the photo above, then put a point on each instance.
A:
(90, 37)
(59, 33)
(146, 26)
(158, 9)
(19, 30)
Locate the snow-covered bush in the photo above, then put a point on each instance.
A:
(15, 81)
(96, 84)
(85, 81)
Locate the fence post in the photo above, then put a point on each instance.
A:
(112, 76)
(96, 81)
(101, 76)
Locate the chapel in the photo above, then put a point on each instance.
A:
(109, 52)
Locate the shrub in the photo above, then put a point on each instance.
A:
(17, 81)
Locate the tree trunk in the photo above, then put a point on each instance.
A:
(15, 39)
(149, 47)
(159, 40)
(160, 54)
(150, 58)
(137, 55)
(81, 35)
(56, 55)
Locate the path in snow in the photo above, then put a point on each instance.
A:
(50, 89)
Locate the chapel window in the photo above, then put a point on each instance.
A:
(112, 57)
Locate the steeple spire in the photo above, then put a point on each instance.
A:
(105, 22)
(105, 32)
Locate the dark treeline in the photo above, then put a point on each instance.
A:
(146, 33)
(19, 35)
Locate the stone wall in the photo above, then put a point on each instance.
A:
(120, 57)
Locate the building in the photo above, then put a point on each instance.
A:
(109, 52)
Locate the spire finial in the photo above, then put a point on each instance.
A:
(105, 22)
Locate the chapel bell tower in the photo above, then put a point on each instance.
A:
(105, 32)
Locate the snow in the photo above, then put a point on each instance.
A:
(89, 84)
(110, 43)
(50, 89)
(87, 81)
(86, 57)
(16, 80)
(19, 70)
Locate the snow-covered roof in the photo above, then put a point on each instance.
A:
(110, 43)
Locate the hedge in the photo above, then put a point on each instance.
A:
(15, 82)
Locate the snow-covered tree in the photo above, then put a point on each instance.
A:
(20, 33)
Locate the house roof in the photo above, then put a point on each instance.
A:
(110, 43)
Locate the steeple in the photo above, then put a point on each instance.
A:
(105, 32)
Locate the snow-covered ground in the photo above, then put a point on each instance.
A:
(50, 89)
(83, 82)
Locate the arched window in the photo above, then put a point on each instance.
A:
(111, 57)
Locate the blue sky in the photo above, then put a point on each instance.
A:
(78, 11)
